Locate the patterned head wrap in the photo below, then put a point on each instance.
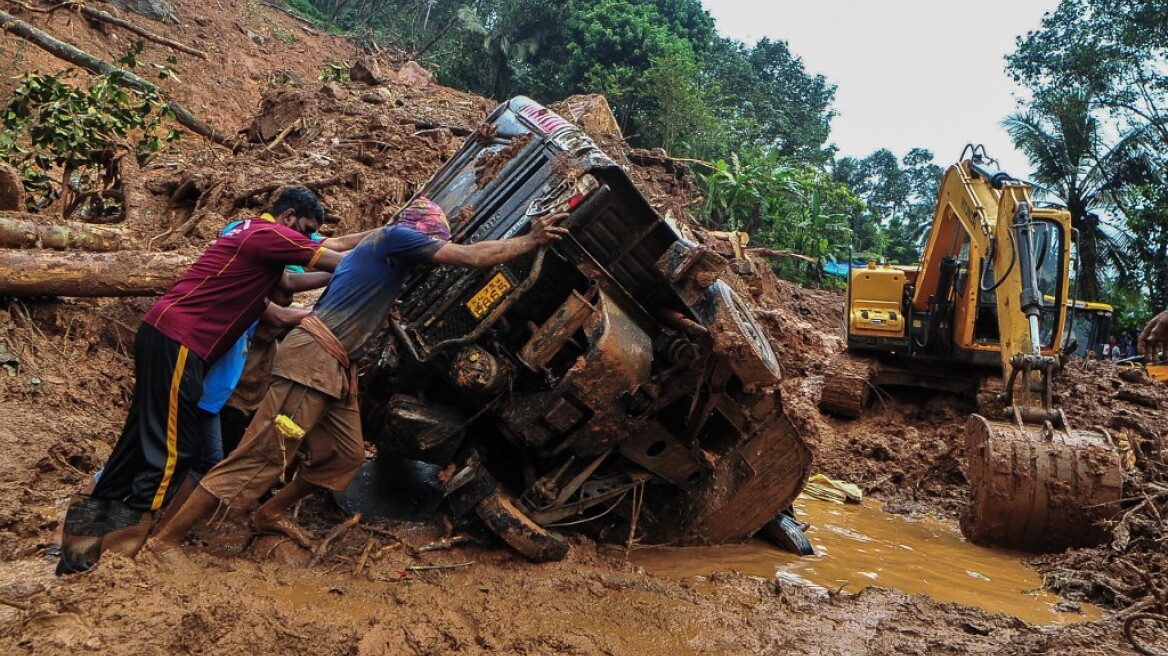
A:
(425, 216)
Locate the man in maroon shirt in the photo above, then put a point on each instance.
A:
(189, 328)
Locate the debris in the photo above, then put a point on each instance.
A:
(444, 544)
(427, 568)
(819, 486)
(364, 556)
(62, 50)
(360, 71)
(411, 74)
(591, 113)
(337, 531)
(1138, 397)
(12, 196)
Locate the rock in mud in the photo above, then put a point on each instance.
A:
(411, 74)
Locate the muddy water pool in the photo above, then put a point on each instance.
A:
(857, 546)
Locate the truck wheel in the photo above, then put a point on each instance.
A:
(738, 337)
(529, 539)
(786, 533)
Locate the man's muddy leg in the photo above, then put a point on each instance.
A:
(198, 506)
(271, 517)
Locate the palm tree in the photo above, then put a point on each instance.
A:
(1072, 161)
(509, 38)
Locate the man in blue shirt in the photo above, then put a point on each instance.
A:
(314, 376)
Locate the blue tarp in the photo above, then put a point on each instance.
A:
(841, 269)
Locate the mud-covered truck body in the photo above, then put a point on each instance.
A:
(612, 379)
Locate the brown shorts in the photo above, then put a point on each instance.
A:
(332, 446)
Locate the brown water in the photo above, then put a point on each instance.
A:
(860, 546)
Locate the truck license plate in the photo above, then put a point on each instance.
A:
(485, 298)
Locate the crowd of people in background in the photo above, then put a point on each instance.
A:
(1122, 347)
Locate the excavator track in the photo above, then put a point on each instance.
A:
(847, 385)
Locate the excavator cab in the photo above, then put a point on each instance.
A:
(1088, 327)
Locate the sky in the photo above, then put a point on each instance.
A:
(908, 73)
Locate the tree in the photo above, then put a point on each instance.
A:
(782, 204)
(609, 46)
(1064, 142)
(686, 124)
(511, 32)
(1113, 52)
(898, 201)
(769, 99)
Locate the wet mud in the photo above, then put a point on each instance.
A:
(384, 588)
(860, 546)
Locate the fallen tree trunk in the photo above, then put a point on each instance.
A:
(771, 252)
(127, 273)
(69, 53)
(104, 17)
(23, 230)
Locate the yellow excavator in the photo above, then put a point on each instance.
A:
(990, 291)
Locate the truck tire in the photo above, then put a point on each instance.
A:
(535, 543)
(786, 533)
(739, 338)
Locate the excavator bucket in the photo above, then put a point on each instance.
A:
(1039, 489)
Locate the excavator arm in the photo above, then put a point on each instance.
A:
(1036, 483)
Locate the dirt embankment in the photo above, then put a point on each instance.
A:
(66, 372)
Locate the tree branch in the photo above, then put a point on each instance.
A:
(104, 17)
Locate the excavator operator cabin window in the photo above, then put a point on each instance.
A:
(985, 323)
(963, 265)
(1048, 249)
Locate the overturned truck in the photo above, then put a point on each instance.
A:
(613, 380)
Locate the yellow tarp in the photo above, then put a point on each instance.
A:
(821, 487)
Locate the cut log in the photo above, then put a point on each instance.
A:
(771, 252)
(126, 273)
(23, 230)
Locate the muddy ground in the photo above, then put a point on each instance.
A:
(65, 378)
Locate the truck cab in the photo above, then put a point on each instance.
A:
(615, 379)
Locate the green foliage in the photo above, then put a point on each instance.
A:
(1096, 131)
(783, 205)
(54, 126)
(898, 201)
(308, 10)
(671, 80)
(284, 36)
(768, 98)
(508, 39)
(1074, 163)
(336, 71)
(1133, 309)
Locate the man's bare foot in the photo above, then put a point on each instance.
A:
(283, 525)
